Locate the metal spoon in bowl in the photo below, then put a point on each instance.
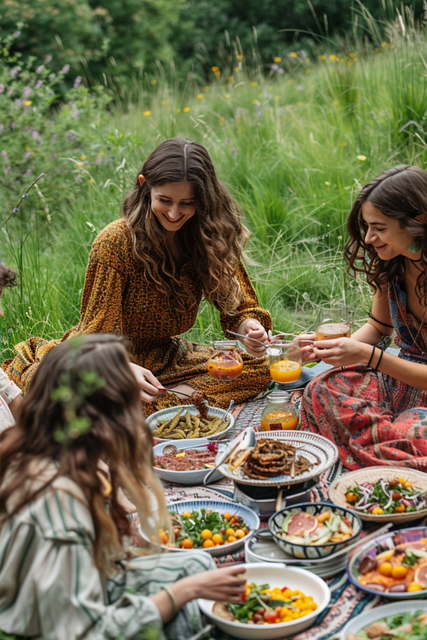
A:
(240, 335)
(171, 448)
(247, 441)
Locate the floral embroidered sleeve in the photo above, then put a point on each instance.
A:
(248, 309)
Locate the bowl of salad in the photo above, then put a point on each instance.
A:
(314, 529)
(279, 602)
(218, 527)
(382, 494)
(406, 620)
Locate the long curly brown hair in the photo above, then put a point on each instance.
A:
(400, 193)
(84, 406)
(213, 239)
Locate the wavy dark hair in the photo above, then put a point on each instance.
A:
(114, 431)
(7, 277)
(399, 193)
(213, 239)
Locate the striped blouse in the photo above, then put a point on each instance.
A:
(50, 588)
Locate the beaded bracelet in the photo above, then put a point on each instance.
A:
(172, 597)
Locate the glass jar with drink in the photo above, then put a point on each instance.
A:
(279, 413)
(285, 359)
(226, 363)
(334, 322)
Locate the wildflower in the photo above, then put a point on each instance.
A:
(293, 54)
(164, 101)
(227, 141)
(199, 96)
(40, 68)
(300, 87)
(221, 120)
(16, 210)
(323, 57)
(26, 92)
(83, 157)
(383, 44)
(77, 82)
(1, 88)
(307, 70)
(362, 158)
(16, 34)
(236, 69)
(14, 72)
(254, 84)
(79, 164)
(48, 58)
(255, 102)
(98, 160)
(18, 102)
(4, 153)
(332, 57)
(28, 172)
(178, 110)
(153, 82)
(206, 88)
(28, 103)
(218, 73)
(277, 59)
(7, 170)
(91, 180)
(214, 69)
(38, 84)
(24, 195)
(234, 151)
(227, 95)
(35, 134)
(238, 119)
(65, 68)
(290, 81)
(327, 183)
(343, 144)
(239, 56)
(275, 67)
(12, 125)
(186, 109)
(146, 113)
(28, 154)
(230, 78)
(336, 103)
(276, 97)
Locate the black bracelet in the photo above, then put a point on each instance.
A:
(389, 326)
(372, 355)
(379, 360)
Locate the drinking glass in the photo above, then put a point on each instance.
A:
(334, 322)
(285, 359)
(226, 363)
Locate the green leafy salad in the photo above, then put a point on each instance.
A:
(411, 625)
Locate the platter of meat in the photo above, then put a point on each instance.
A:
(282, 458)
(189, 464)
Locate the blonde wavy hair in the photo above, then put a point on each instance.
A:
(113, 429)
(213, 240)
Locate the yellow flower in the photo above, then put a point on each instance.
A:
(147, 113)
(83, 157)
(164, 101)
(215, 69)
(277, 59)
(327, 183)
(91, 180)
(354, 59)
(323, 57)
(254, 101)
(154, 82)
(336, 103)
(27, 103)
(27, 148)
(276, 97)
(101, 153)
(293, 54)
(254, 84)
(362, 158)
(351, 55)
(206, 88)
(79, 164)
(290, 81)
(239, 56)
(230, 78)
(186, 109)
(199, 96)
(376, 49)
(236, 69)
(307, 70)
(238, 119)
(332, 57)
(218, 73)
(383, 44)
(227, 95)
(343, 144)
(221, 118)
(178, 110)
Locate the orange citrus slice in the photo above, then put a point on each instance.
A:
(286, 365)
(302, 522)
(421, 575)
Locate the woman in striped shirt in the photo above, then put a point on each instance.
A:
(63, 526)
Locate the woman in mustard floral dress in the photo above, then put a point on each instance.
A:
(181, 238)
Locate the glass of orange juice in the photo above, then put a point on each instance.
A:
(226, 363)
(285, 360)
(334, 322)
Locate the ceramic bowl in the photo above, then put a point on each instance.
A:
(167, 414)
(183, 477)
(312, 551)
(354, 625)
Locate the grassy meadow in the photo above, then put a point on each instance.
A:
(293, 147)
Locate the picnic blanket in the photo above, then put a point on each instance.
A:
(346, 600)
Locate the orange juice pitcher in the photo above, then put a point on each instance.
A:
(226, 363)
(279, 412)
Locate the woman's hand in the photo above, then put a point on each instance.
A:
(253, 329)
(149, 385)
(306, 341)
(342, 351)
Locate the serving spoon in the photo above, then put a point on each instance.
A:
(247, 441)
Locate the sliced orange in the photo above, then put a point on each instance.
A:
(421, 575)
(300, 523)
(285, 365)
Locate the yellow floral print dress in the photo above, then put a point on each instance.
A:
(117, 298)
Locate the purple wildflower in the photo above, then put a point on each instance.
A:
(12, 125)
(48, 57)
(40, 68)
(234, 151)
(77, 82)
(65, 68)
(35, 134)
(18, 102)
(16, 210)
(2, 88)
(14, 72)
(8, 169)
(38, 84)
(16, 34)
(28, 154)
(275, 67)
(4, 153)
(98, 160)
(28, 172)
(76, 114)
(27, 92)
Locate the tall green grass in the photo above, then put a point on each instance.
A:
(293, 148)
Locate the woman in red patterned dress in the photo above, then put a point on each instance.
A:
(375, 407)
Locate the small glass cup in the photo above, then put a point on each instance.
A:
(334, 322)
(285, 360)
(226, 364)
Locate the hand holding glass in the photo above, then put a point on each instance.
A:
(334, 322)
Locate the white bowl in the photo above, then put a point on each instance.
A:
(170, 412)
(277, 575)
(369, 617)
(183, 477)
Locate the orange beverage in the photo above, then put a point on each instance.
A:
(279, 420)
(224, 370)
(285, 371)
(332, 330)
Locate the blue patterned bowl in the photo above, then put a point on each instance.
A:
(385, 542)
(313, 508)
